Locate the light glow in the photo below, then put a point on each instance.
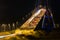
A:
(37, 13)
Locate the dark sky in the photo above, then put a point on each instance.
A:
(12, 10)
(55, 5)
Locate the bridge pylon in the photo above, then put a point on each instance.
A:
(48, 22)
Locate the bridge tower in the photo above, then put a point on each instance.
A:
(47, 22)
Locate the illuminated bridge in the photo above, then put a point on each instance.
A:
(29, 26)
(39, 14)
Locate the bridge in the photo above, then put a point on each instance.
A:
(28, 27)
(32, 22)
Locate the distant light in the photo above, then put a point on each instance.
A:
(13, 24)
(9, 25)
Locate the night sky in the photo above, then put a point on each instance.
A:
(12, 10)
